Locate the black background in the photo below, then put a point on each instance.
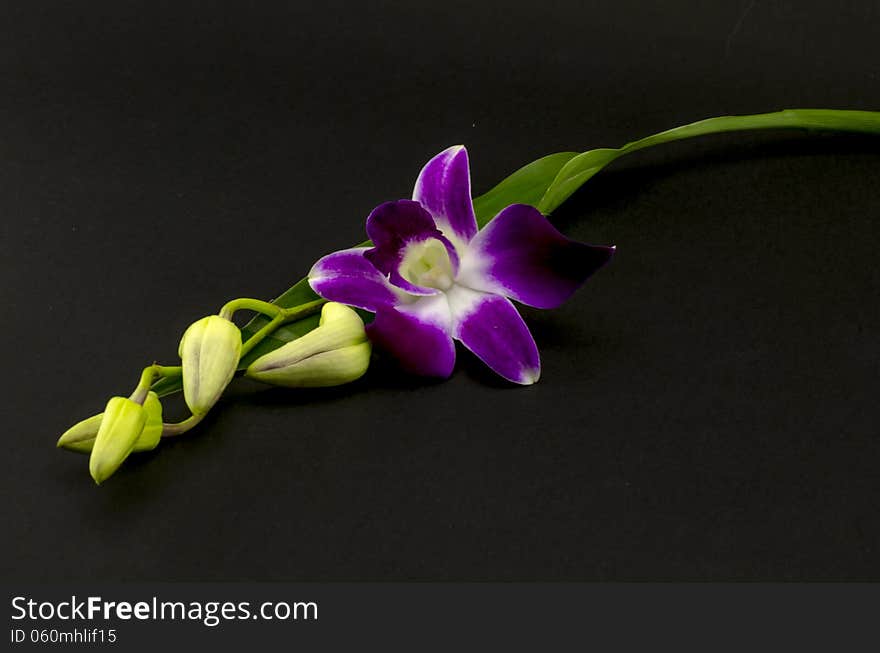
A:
(708, 403)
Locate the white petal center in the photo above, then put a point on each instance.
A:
(426, 263)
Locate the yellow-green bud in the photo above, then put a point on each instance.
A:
(121, 426)
(209, 351)
(336, 352)
(152, 433)
(81, 436)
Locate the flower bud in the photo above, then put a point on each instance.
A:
(121, 425)
(152, 433)
(336, 352)
(209, 351)
(81, 436)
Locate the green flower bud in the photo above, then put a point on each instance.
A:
(209, 351)
(81, 436)
(121, 426)
(336, 352)
(152, 433)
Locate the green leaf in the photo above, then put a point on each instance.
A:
(582, 167)
(167, 386)
(549, 181)
(525, 186)
(573, 175)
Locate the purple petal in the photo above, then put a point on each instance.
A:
(444, 188)
(521, 255)
(394, 226)
(491, 328)
(417, 335)
(349, 278)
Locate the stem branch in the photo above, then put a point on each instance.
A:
(148, 376)
(283, 315)
(179, 428)
(267, 308)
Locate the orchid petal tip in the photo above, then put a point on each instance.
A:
(530, 376)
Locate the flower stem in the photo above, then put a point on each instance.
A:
(257, 338)
(246, 303)
(297, 312)
(179, 428)
(281, 315)
(148, 376)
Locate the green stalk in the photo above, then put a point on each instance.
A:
(283, 315)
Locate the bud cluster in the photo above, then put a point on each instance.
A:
(210, 351)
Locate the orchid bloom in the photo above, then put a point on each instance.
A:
(432, 277)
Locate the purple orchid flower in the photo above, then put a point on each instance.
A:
(431, 277)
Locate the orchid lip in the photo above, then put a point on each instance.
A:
(426, 263)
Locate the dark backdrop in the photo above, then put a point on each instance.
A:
(708, 408)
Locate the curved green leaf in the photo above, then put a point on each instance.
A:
(549, 181)
(525, 186)
(579, 169)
